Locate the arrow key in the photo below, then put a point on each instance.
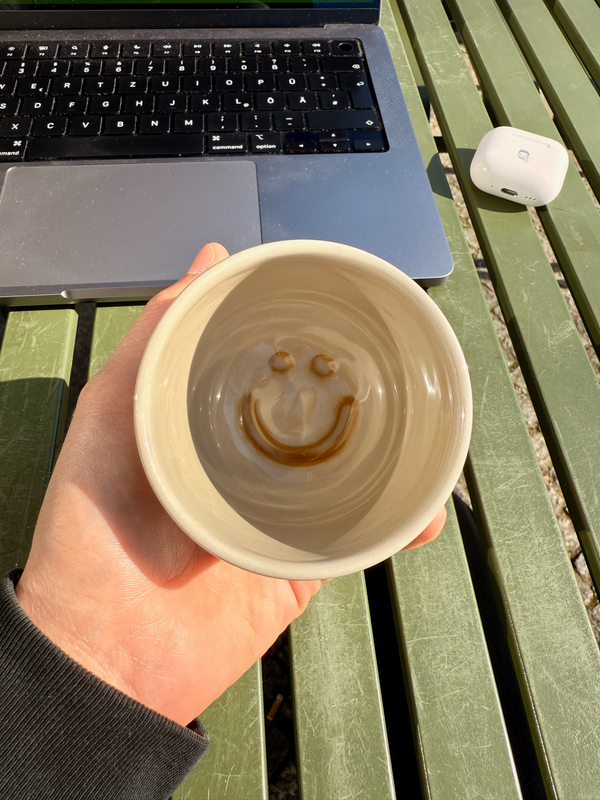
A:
(364, 141)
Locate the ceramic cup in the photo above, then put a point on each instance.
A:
(303, 410)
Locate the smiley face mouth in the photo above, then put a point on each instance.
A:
(299, 455)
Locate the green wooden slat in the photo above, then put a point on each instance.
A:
(234, 768)
(449, 673)
(397, 37)
(458, 720)
(572, 220)
(341, 743)
(563, 80)
(35, 368)
(110, 326)
(554, 649)
(235, 764)
(580, 20)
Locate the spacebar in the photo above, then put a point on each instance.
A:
(182, 144)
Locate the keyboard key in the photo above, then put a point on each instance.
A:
(154, 123)
(105, 49)
(265, 142)
(272, 101)
(100, 85)
(300, 142)
(170, 103)
(227, 143)
(86, 68)
(240, 101)
(342, 64)
(136, 50)
(318, 48)
(118, 66)
(304, 64)
(166, 49)
(50, 126)
(228, 83)
(221, 122)
(334, 100)
(12, 149)
(105, 105)
(85, 126)
(256, 48)
(205, 102)
(167, 84)
(358, 88)
(53, 68)
(325, 120)
(301, 101)
(48, 50)
(226, 48)
(15, 126)
(320, 82)
(260, 83)
(288, 121)
(149, 66)
(275, 64)
(7, 86)
(9, 105)
(21, 69)
(180, 66)
(188, 123)
(212, 66)
(334, 136)
(286, 48)
(291, 83)
(334, 147)
(196, 49)
(260, 121)
(38, 87)
(74, 50)
(119, 124)
(137, 84)
(249, 64)
(196, 83)
(62, 86)
(364, 141)
(12, 51)
(346, 47)
(70, 105)
(117, 146)
(139, 104)
(34, 106)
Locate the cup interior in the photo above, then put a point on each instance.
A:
(303, 410)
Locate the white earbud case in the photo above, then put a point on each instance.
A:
(520, 166)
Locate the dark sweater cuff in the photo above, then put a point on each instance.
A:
(64, 733)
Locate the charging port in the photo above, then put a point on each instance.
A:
(511, 192)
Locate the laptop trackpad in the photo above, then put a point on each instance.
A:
(128, 227)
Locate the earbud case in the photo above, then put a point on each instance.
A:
(520, 166)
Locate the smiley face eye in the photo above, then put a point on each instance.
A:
(322, 365)
(281, 361)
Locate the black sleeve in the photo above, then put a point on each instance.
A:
(64, 733)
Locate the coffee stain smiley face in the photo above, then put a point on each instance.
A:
(298, 410)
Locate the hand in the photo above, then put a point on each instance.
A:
(117, 585)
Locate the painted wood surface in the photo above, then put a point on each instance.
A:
(553, 645)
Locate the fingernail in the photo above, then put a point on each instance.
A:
(203, 260)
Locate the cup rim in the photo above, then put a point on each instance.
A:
(165, 331)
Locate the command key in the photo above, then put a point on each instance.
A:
(12, 149)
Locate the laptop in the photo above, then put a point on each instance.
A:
(131, 133)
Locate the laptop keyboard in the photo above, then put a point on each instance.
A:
(139, 98)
